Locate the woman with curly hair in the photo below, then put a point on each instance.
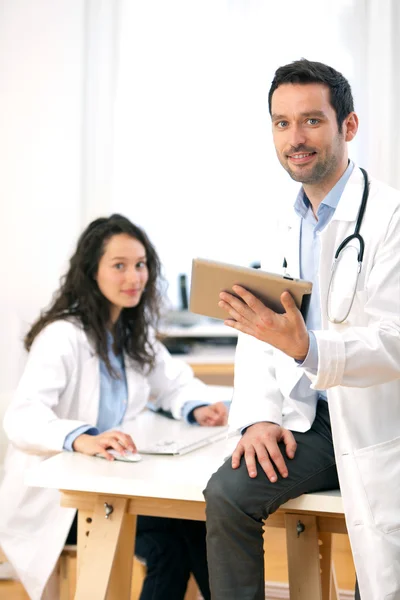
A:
(94, 363)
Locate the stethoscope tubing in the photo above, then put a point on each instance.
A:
(354, 236)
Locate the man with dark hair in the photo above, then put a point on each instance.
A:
(299, 383)
(305, 71)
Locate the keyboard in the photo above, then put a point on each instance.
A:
(199, 437)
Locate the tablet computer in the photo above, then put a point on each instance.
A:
(210, 277)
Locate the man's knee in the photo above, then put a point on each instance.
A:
(214, 491)
(224, 491)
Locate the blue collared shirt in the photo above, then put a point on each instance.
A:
(310, 250)
(113, 400)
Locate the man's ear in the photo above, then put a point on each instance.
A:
(350, 126)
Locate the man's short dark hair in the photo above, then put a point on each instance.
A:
(305, 71)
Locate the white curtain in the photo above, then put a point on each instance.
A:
(42, 53)
(373, 39)
(100, 62)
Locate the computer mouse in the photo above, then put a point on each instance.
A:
(127, 457)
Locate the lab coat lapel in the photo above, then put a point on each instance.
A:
(350, 201)
(289, 372)
(138, 387)
(131, 377)
(292, 247)
(89, 393)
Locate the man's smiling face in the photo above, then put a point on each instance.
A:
(306, 134)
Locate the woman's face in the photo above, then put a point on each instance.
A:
(122, 273)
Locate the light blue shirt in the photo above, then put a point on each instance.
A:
(113, 400)
(113, 391)
(310, 251)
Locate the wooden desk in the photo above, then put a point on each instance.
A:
(172, 487)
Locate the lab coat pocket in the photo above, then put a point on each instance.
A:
(379, 468)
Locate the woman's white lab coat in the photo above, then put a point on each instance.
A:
(359, 366)
(58, 392)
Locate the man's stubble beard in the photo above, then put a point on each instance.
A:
(321, 170)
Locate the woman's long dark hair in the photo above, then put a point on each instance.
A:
(79, 296)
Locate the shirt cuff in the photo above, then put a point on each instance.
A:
(245, 428)
(71, 437)
(188, 408)
(312, 359)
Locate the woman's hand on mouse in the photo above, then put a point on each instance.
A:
(98, 444)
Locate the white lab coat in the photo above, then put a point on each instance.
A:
(359, 366)
(58, 392)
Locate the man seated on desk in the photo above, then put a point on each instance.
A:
(318, 401)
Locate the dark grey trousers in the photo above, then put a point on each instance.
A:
(237, 505)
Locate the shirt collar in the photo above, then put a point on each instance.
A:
(332, 198)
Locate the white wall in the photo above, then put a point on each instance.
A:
(194, 162)
(41, 104)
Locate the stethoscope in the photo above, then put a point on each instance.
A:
(354, 236)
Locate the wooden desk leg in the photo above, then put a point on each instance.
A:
(97, 550)
(334, 588)
(85, 521)
(121, 574)
(303, 558)
(328, 578)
